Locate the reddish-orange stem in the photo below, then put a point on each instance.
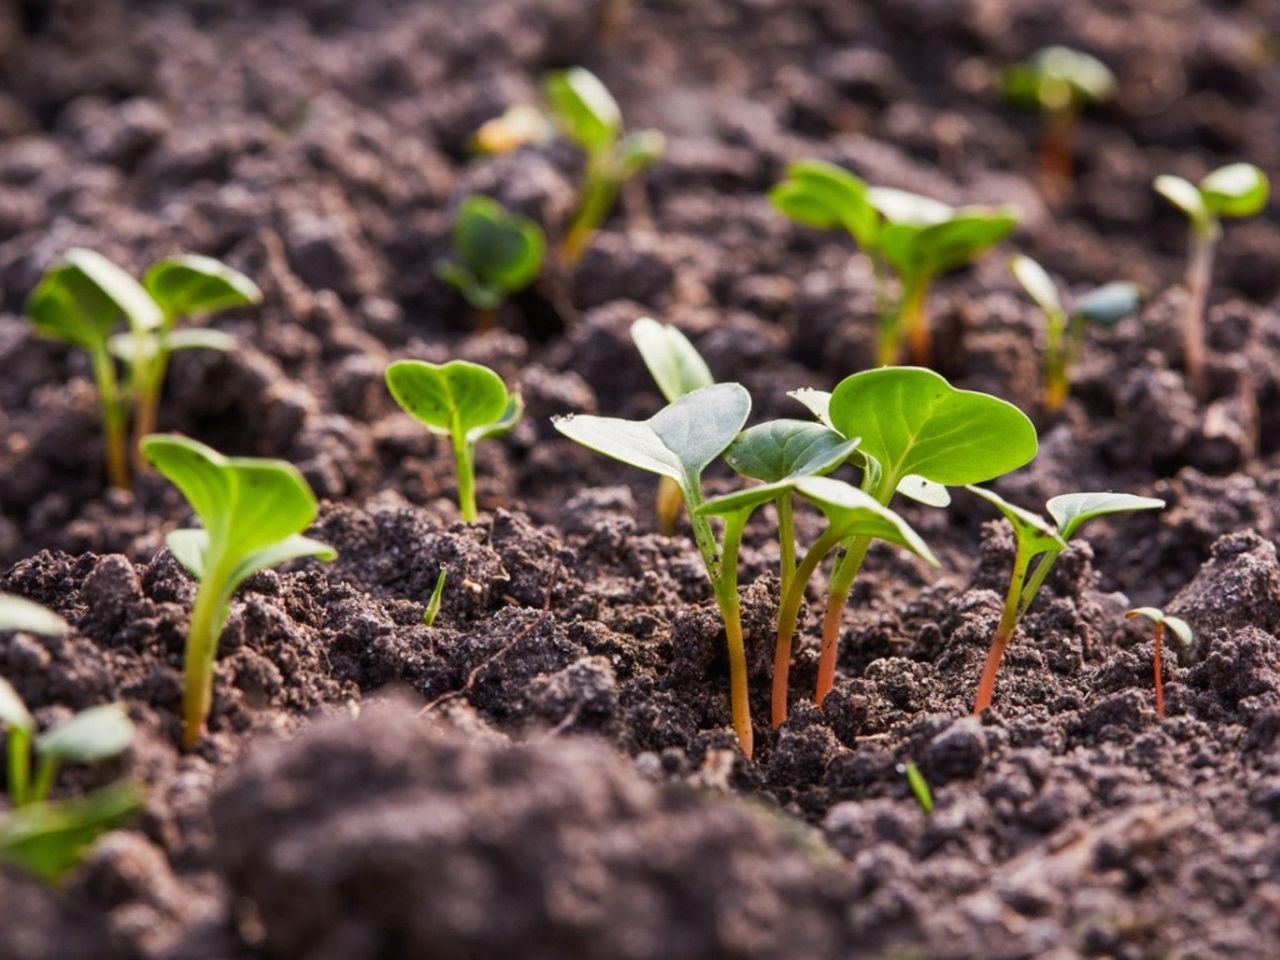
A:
(987, 685)
(830, 645)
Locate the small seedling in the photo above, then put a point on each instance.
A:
(1236, 190)
(1178, 627)
(587, 113)
(47, 840)
(1040, 541)
(460, 400)
(680, 441)
(919, 786)
(1060, 83)
(677, 368)
(253, 511)
(433, 605)
(495, 253)
(1103, 307)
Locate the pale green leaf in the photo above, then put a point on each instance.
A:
(674, 363)
(91, 735)
(1071, 510)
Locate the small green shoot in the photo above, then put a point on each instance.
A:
(919, 786)
(1041, 542)
(460, 400)
(1236, 190)
(47, 840)
(433, 605)
(1178, 627)
(1103, 306)
(1060, 83)
(253, 512)
(589, 116)
(495, 253)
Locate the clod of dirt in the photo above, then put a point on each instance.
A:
(1239, 587)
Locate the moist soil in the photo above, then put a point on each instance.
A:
(549, 770)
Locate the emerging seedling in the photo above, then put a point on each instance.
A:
(253, 511)
(1060, 83)
(677, 368)
(1103, 307)
(460, 400)
(1236, 190)
(47, 840)
(587, 113)
(1178, 627)
(433, 605)
(1042, 542)
(919, 786)
(680, 441)
(495, 253)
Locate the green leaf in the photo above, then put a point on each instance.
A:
(817, 402)
(454, 397)
(48, 839)
(1185, 196)
(674, 363)
(1034, 534)
(851, 512)
(638, 150)
(91, 735)
(1108, 304)
(190, 285)
(437, 593)
(19, 613)
(824, 195)
(944, 246)
(13, 712)
(189, 548)
(501, 252)
(1071, 510)
(126, 293)
(510, 417)
(913, 422)
(1236, 190)
(126, 346)
(788, 449)
(1180, 628)
(680, 441)
(290, 548)
(66, 305)
(584, 108)
(1037, 283)
(905, 208)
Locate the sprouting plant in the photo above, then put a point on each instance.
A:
(680, 441)
(1178, 627)
(253, 511)
(1103, 306)
(437, 593)
(1060, 83)
(47, 840)
(587, 113)
(495, 253)
(919, 436)
(1236, 190)
(1040, 542)
(919, 786)
(677, 368)
(460, 400)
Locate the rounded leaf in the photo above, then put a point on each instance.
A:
(1180, 629)
(788, 449)
(1071, 510)
(584, 108)
(190, 285)
(824, 195)
(1108, 304)
(1236, 190)
(452, 397)
(91, 735)
(1183, 195)
(502, 250)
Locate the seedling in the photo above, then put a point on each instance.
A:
(460, 400)
(677, 368)
(1178, 627)
(1039, 541)
(1060, 83)
(680, 441)
(1103, 306)
(919, 786)
(1236, 190)
(587, 113)
(47, 840)
(253, 511)
(919, 434)
(433, 605)
(495, 253)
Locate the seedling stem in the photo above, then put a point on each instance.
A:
(1012, 613)
(1203, 244)
(113, 416)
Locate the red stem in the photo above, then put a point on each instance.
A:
(987, 685)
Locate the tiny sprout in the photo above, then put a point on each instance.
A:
(460, 400)
(496, 253)
(1181, 630)
(587, 113)
(1059, 82)
(919, 786)
(1236, 190)
(1036, 538)
(1103, 306)
(520, 125)
(47, 840)
(433, 605)
(253, 512)
(677, 368)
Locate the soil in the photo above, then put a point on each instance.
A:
(549, 771)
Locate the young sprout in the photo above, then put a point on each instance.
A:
(433, 605)
(1041, 543)
(680, 441)
(460, 400)
(496, 253)
(47, 840)
(919, 434)
(587, 113)
(253, 512)
(1236, 190)
(919, 786)
(1059, 82)
(677, 368)
(1103, 306)
(1180, 629)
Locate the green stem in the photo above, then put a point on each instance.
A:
(886, 316)
(786, 541)
(838, 591)
(202, 647)
(113, 425)
(599, 191)
(1009, 617)
(1038, 576)
(1055, 361)
(789, 616)
(46, 767)
(726, 591)
(149, 384)
(19, 764)
(464, 458)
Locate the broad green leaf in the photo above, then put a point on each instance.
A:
(502, 250)
(126, 346)
(674, 363)
(189, 548)
(585, 109)
(190, 285)
(679, 441)
(1183, 195)
(453, 397)
(129, 296)
(48, 839)
(510, 417)
(66, 305)
(788, 449)
(1037, 283)
(1089, 78)
(291, 548)
(91, 735)
(19, 613)
(638, 150)
(824, 195)
(817, 402)
(13, 712)
(1180, 628)
(905, 208)
(960, 240)
(1071, 510)
(912, 421)
(1236, 190)
(1108, 304)
(850, 512)
(1034, 534)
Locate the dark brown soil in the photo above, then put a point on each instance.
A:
(573, 788)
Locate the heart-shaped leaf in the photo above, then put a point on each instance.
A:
(1236, 190)
(1179, 627)
(674, 363)
(850, 512)
(1071, 510)
(13, 712)
(1033, 533)
(502, 250)
(457, 396)
(584, 108)
(1107, 305)
(19, 613)
(191, 286)
(91, 735)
